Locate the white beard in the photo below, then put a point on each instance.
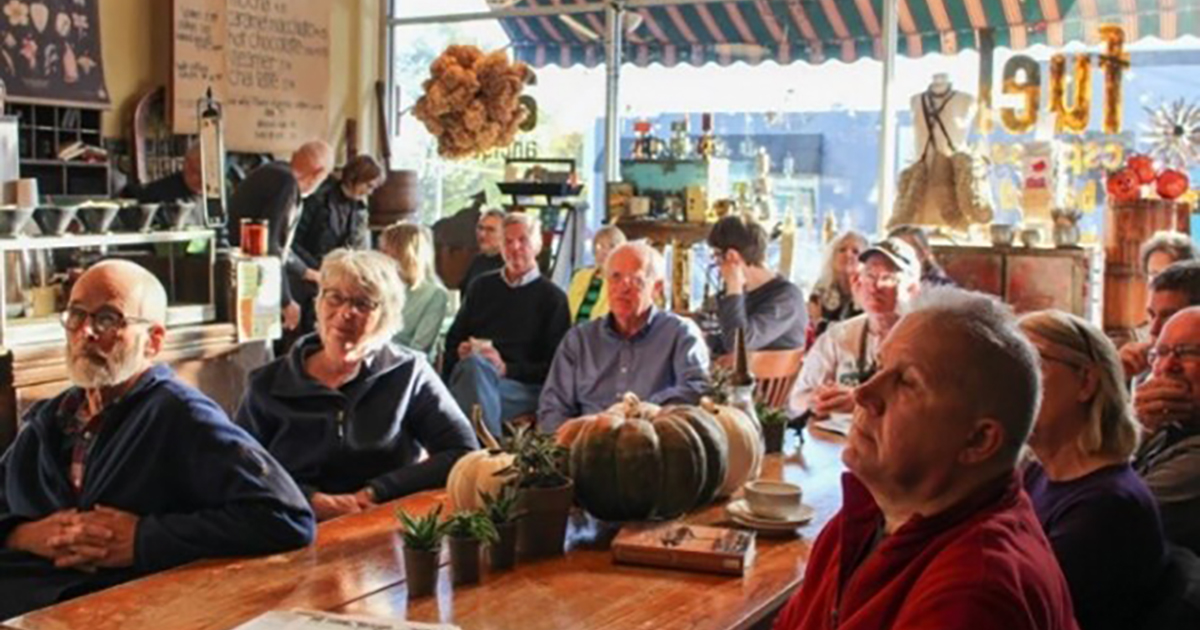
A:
(123, 363)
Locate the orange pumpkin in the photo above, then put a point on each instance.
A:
(1172, 184)
(1123, 185)
(1143, 167)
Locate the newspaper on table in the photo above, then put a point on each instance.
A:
(314, 620)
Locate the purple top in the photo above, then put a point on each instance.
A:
(1106, 533)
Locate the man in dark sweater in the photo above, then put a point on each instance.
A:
(756, 299)
(490, 236)
(273, 192)
(499, 349)
(131, 471)
(183, 185)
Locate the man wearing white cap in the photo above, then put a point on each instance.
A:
(887, 279)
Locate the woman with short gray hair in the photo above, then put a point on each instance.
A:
(347, 412)
(1100, 517)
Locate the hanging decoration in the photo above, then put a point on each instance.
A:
(1143, 167)
(1171, 184)
(1139, 180)
(1123, 185)
(1025, 68)
(1114, 61)
(472, 101)
(1174, 133)
(1073, 118)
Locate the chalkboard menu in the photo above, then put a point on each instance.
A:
(50, 52)
(267, 61)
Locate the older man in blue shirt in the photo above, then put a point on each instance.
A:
(637, 348)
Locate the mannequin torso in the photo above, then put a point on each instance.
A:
(957, 114)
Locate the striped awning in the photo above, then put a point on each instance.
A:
(753, 31)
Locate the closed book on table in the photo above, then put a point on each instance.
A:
(686, 547)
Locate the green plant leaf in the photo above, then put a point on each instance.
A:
(422, 532)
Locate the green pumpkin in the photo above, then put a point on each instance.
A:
(628, 469)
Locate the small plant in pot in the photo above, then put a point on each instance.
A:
(774, 424)
(422, 536)
(544, 492)
(501, 510)
(467, 531)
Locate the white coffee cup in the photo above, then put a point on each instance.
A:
(777, 500)
(479, 345)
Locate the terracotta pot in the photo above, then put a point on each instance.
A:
(542, 533)
(503, 552)
(773, 437)
(420, 571)
(464, 560)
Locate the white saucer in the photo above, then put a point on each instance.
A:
(740, 511)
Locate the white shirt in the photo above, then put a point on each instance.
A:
(837, 356)
(530, 276)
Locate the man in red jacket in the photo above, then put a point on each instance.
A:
(935, 531)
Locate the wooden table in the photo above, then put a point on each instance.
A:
(356, 566)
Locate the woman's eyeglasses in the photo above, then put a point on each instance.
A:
(359, 304)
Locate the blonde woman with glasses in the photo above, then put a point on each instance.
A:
(1100, 517)
(426, 300)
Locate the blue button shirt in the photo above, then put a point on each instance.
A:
(665, 362)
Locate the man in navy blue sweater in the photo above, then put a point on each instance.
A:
(131, 471)
(499, 348)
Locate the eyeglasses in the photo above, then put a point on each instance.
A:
(104, 321)
(361, 305)
(636, 281)
(880, 279)
(1184, 353)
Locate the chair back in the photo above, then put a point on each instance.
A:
(775, 372)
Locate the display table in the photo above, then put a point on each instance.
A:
(356, 566)
(1031, 278)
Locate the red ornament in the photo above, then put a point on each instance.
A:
(1172, 184)
(1143, 167)
(1123, 185)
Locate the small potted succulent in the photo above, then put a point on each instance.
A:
(501, 509)
(467, 531)
(774, 425)
(544, 492)
(422, 536)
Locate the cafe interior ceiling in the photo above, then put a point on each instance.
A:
(698, 32)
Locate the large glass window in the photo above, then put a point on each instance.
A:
(568, 101)
(1161, 75)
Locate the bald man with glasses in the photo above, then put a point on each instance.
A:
(130, 471)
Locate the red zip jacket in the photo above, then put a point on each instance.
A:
(983, 564)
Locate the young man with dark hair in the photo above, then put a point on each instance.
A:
(1172, 290)
(757, 299)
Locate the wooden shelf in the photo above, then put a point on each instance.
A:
(65, 163)
(43, 131)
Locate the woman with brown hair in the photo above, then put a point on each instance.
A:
(332, 218)
(426, 299)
